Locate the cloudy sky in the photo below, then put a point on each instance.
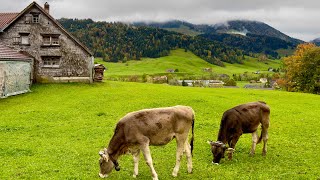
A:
(296, 18)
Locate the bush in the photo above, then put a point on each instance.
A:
(173, 82)
(133, 78)
(144, 78)
(184, 83)
(230, 82)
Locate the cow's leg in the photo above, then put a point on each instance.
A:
(265, 137)
(147, 156)
(136, 157)
(187, 148)
(234, 141)
(181, 139)
(254, 143)
(264, 132)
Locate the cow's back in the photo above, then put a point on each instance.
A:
(246, 117)
(160, 124)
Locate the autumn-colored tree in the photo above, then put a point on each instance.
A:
(302, 69)
(309, 78)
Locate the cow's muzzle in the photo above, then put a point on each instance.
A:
(103, 175)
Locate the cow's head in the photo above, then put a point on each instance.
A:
(106, 164)
(218, 149)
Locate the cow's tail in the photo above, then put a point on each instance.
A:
(264, 109)
(192, 130)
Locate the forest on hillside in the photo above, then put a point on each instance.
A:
(252, 37)
(252, 43)
(119, 42)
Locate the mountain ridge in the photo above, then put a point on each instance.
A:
(248, 26)
(316, 41)
(249, 36)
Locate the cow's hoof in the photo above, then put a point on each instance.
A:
(134, 176)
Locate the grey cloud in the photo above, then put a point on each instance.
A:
(293, 17)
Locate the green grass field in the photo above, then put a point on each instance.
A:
(187, 63)
(56, 131)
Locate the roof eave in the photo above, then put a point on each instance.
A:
(16, 59)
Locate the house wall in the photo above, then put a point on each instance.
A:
(1, 79)
(75, 63)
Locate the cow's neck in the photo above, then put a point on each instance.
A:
(116, 143)
(114, 154)
(114, 150)
(222, 136)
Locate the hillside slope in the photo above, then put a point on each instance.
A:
(249, 36)
(229, 27)
(253, 27)
(119, 42)
(187, 64)
(316, 41)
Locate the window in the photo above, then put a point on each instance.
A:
(46, 40)
(35, 18)
(24, 39)
(16, 40)
(55, 40)
(50, 39)
(28, 18)
(51, 61)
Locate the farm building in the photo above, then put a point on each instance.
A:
(202, 83)
(58, 56)
(15, 72)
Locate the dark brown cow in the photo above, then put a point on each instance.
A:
(241, 119)
(137, 130)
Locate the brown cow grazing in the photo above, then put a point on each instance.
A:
(241, 119)
(137, 130)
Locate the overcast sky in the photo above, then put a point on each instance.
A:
(296, 18)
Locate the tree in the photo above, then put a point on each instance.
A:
(302, 69)
(309, 77)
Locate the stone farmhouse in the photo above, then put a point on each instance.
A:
(57, 55)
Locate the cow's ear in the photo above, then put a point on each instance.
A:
(210, 142)
(104, 156)
(101, 153)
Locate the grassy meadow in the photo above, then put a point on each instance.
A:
(56, 131)
(187, 63)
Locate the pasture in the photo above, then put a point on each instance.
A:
(187, 63)
(56, 131)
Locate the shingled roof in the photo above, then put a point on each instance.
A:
(7, 53)
(6, 18)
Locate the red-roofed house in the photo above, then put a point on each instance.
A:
(58, 56)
